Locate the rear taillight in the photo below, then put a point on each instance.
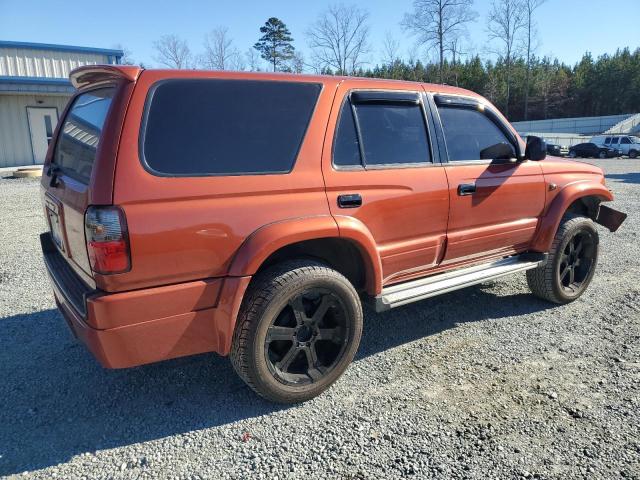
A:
(107, 240)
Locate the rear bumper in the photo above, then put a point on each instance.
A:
(127, 329)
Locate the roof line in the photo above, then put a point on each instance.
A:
(64, 48)
(35, 80)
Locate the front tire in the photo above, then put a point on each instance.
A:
(298, 329)
(572, 154)
(571, 264)
(633, 154)
(602, 155)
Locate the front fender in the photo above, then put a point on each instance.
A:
(563, 200)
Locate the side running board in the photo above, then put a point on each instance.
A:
(408, 292)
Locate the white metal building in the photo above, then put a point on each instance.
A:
(34, 89)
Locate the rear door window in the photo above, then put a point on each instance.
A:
(393, 133)
(226, 127)
(80, 134)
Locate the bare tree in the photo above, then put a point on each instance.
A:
(529, 7)
(455, 47)
(219, 51)
(253, 60)
(173, 52)
(506, 20)
(390, 48)
(126, 58)
(439, 22)
(338, 38)
(297, 62)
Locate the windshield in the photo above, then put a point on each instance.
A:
(635, 139)
(80, 134)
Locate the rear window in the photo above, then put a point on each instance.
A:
(226, 127)
(79, 137)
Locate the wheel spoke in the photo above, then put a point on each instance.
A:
(572, 275)
(284, 364)
(579, 246)
(564, 272)
(332, 334)
(280, 333)
(297, 306)
(322, 309)
(312, 357)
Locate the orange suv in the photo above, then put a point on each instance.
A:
(251, 214)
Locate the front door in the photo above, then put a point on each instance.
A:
(42, 122)
(380, 169)
(495, 205)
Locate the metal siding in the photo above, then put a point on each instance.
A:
(44, 63)
(15, 141)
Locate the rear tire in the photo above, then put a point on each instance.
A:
(571, 263)
(602, 155)
(572, 154)
(298, 329)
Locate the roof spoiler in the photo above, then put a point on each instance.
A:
(91, 74)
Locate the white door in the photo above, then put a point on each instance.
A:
(42, 122)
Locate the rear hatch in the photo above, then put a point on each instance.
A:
(80, 163)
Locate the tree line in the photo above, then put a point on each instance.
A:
(521, 83)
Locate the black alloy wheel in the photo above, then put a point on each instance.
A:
(576, 261)
(308, 338)
(297, 331)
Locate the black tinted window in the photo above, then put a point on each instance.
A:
(468, 132)
(393, 133)
(625, 141)
(346, 150)
(218, 127)
(615, 141)
(80, 134)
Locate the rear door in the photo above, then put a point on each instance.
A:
(495, 206)
(381, 168)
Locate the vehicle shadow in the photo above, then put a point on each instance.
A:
(57, 402)
(631, 177)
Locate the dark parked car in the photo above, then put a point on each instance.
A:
(591, 150)
(553, 149)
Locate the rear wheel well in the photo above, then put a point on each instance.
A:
(340, 254)
(586, 206)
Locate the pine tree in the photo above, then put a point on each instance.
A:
(275, 44)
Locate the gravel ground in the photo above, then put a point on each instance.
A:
(487, 382)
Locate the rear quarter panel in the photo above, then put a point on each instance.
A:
(187, 228)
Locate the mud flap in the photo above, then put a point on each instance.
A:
(610, 218)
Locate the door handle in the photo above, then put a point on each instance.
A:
(352, 200)
(466, 189)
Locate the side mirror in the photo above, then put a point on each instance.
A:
(536, 148)
(499, 151)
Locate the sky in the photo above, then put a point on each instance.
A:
(566, 28)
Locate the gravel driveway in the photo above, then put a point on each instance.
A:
(487, 382)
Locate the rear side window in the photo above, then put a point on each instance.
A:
(80, 134)
(226, 127)
(468, 131)
(392, 133)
